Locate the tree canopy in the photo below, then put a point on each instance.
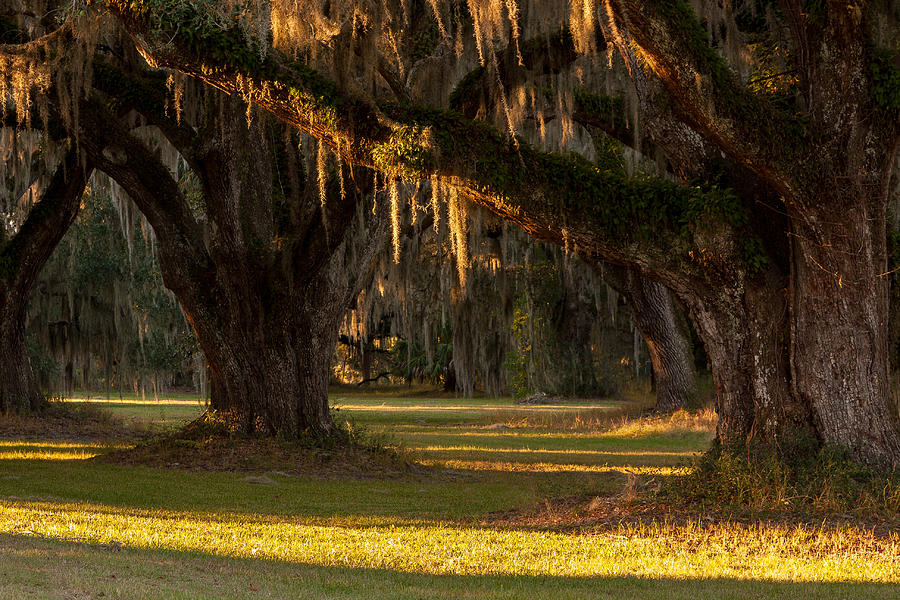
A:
(761, 140)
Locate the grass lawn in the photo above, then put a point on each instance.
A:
(76, 528)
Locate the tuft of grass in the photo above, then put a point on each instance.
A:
(797, 477)
(624, 419)
(679, 423)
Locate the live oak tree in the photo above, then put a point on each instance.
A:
(264, 267)
(262, 235)
(775, 129)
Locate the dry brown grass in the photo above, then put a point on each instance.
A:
(631, 419)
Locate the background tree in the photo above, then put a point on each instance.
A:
(100, 313)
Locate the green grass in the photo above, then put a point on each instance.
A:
(165, 413)
(78, 570)
(75, 528)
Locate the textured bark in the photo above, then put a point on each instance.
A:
(840, 329)
(274, 373)
(662, 326)
(21, 261)
(19, 392)
(745, 333)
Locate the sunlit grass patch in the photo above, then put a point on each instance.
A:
(678, 423)
(166, 401)
(568, 458)
(161, 414)
(588, 453)
(42, 568)
(18, 450)
(658, 550)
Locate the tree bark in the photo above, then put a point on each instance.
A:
(21, 261)
(659, 321)
(19, 391)
(274, 372)
(840, 324)
(746, 336)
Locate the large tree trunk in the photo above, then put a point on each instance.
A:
(19, 392)
(840, 323)
(660, 323)
(274, 372)
(21, 261)
(745, 333)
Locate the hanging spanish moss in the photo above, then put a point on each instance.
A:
(387, 49)
(395, 218)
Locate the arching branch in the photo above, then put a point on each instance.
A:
(560, 198)
(116, 152)
(23, 257)
(704, 91)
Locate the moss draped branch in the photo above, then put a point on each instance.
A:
(560, 198)
(705, 92)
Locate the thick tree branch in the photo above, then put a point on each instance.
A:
(23, 257)
(144, 93)
(113, 150)
(705, 93)
(564, 199)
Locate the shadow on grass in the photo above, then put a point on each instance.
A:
(44, 568)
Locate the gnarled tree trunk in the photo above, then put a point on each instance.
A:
(274, 370)
(840, 321)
